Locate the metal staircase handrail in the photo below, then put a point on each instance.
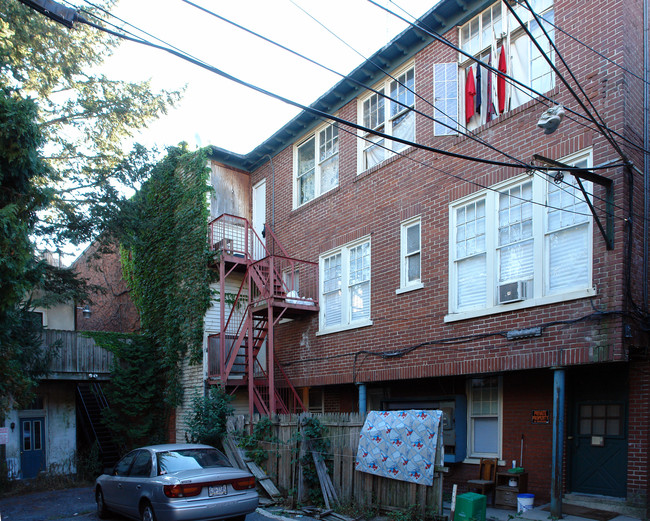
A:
(92, 425)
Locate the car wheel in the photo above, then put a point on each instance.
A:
(238, 518)
(147, 513)
(102, 511)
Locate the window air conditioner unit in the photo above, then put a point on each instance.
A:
(512, 292)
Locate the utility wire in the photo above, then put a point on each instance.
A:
(512, 81)
(577, 40)
(311, 110)
(363, 86)
(467, 133)
(599, 122)
(183, 55)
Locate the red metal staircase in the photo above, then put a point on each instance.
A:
(273, 287)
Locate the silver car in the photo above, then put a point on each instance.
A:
(176, 482)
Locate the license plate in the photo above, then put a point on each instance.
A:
(217, 490)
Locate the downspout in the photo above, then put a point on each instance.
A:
(558, 442)
(272, 193)
(362, 399)
(646, 160)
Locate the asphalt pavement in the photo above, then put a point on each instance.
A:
(75, 504)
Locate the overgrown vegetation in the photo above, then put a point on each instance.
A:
(62, 165)
(165, 260)
(207, 421)
(312, 435)
(137, 415)
(262, 432)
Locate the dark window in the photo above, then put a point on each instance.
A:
(601, 420)
(122, 467)
(142, 465)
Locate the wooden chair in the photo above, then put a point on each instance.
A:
(487, 475)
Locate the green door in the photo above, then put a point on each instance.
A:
(598, 449)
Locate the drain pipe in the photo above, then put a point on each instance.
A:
(646, 161)
(558, 442)
(362, 398)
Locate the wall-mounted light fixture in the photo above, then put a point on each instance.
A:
(85, 311)
(13, 426)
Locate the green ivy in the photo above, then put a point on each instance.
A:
(314, 434)
(263, 431)
(165, 260)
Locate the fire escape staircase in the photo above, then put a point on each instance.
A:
(274, 287)
(90, 404)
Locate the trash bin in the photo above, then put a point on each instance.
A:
(470, 507)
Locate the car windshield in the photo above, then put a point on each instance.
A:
(188, 459)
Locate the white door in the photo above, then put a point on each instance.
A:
(259, 217)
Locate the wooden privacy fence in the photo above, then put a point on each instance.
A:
(351, 486)
(76, 356)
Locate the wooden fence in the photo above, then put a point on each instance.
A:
(351, 486)
(76, 356)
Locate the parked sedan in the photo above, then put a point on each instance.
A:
(176, 482)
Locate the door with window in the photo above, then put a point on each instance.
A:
(597, 432)
(598, 449)
(32, 446)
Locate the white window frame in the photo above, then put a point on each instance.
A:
(472, 417)
(405, 255)
(320, 141)
(509, 34)
(538, 290)
(345, 289)
(445, 99)
(392, 112)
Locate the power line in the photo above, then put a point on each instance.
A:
(577, 40)
(322, 115)
(512, 81)
(600, 123)
(362, 85)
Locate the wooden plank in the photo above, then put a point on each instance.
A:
(264, 480)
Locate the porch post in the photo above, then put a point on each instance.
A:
(558, 442)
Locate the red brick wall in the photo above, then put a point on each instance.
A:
(375, 202)
(112, 309)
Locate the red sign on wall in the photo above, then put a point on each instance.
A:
(540, 416)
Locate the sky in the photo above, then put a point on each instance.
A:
(216, 111)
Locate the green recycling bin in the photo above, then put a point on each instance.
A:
(470, 507)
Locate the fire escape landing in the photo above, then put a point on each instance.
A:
(273, 287)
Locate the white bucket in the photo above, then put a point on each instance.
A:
(525, 502)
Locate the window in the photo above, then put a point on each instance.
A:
(410, 255)
(394, 118)
(484, 410)
(445, 92)
(491, 33)
(345, 287)
(496, 262)
(317, 165)
(141, 465)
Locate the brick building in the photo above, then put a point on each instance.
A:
(112, 308)
(458, 265)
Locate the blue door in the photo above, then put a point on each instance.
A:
(32, 446)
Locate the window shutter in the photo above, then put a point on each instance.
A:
(445, 87)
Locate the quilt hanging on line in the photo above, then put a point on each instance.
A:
(401, 445)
